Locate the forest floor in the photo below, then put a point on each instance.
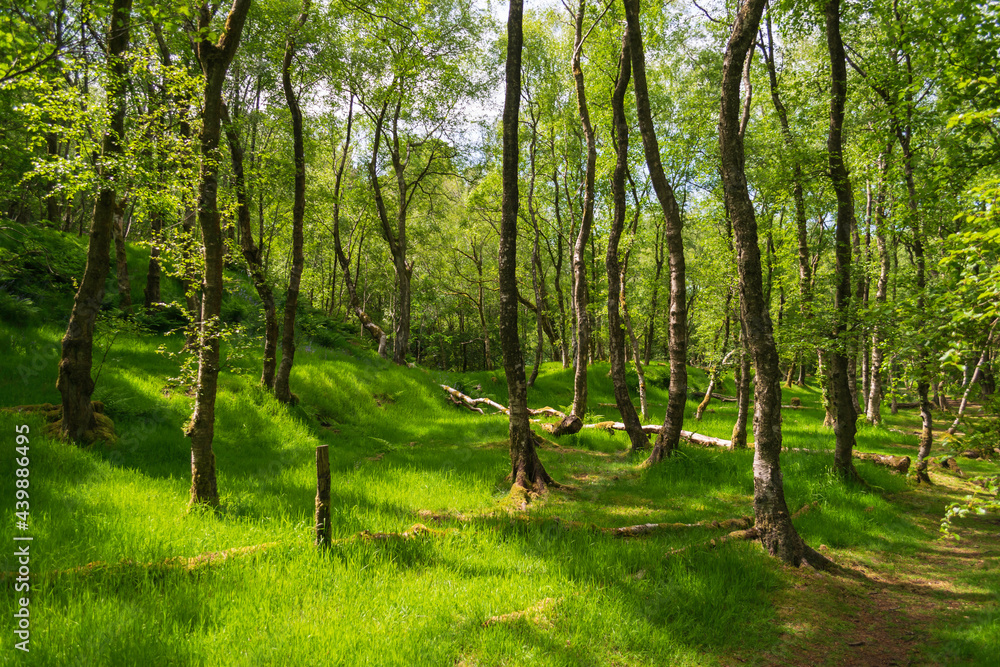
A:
(430, 563)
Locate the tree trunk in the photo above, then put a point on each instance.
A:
(669, 437)
(773, 520)
(845, 426)
(580, 296)
(873, 413)
(742, 377)
(968, 387)
(527, 472)
(367, 324)
(74, 382)
(281, 379)
(536, 260)
(252, 254)
(151, 294)
(616, 334)
(121, 258)
(215, 59)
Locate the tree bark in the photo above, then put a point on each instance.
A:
(580, 295)
(616, 334)
(845, 425)
(773, 520)
(281, 379)
(527, 472)
(215, 58)
(669, 437)
(74, 382)
(252, 254)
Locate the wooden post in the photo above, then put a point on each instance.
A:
(322, 496)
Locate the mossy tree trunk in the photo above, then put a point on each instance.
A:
(214, 58)
(75, 383)
(845, 426)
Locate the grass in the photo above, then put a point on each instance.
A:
(398, 447)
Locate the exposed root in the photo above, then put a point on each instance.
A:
(535, 614)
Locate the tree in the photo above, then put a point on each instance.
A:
(75, 383)
(773, 521)
(845, 426)
(670, 434)
(214, 57)
(281, 389)
(527, 472)
(616, 333)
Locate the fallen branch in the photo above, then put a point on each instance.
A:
(900, 464)
(458, 398)
(718, 397)
(176, 563)
(644, 529)
(473, 402)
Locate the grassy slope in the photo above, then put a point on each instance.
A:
(398, 447)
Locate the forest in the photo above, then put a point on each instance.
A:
(475, 333)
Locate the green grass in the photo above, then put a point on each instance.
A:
(397, 446)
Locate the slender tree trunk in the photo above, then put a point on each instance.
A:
(536, 260)
(121, 257)
(616, 334)
(773, 520)
(74, 382)
(742, 378)
(151, 294)
(527, 472)
(873, 413)
(215, 59)
(281, 379)
(845, 426)
(252, 254)
(975, 376)
(367, 324)
(580, 295)
(669, 437)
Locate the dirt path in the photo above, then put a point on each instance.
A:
(891, 607)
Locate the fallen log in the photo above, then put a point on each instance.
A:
(900, 464)
(473, 402)
(654, 429)
(644, 529)
(458, 398)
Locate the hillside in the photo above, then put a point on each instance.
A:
(429, 564)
